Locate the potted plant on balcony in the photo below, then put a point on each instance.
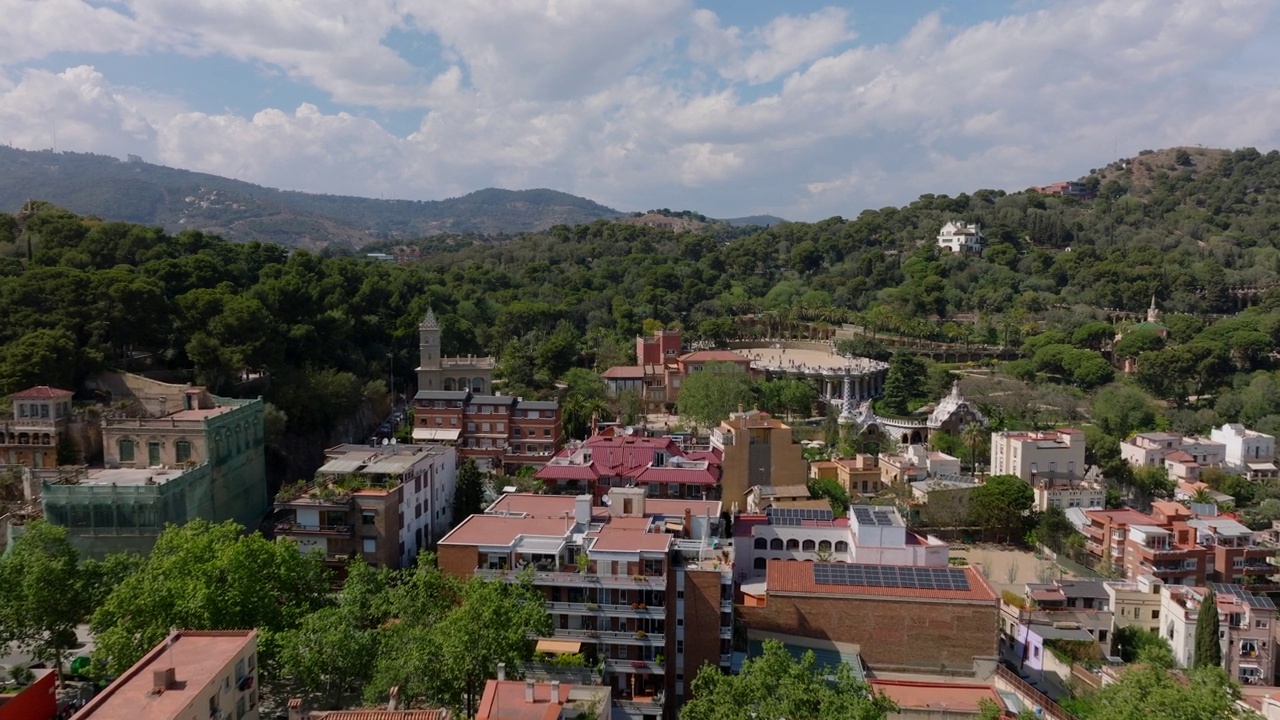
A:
(639, 578)
(642, 607)
(659, 659)
(635, 606)
(640, 634)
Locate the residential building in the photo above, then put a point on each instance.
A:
(1066, 188)
(192, 673)
(383, 504)
(622, 457)
(756, 449)
(1233, 552)
(498, 432)
(1030, 455)
(1135, 604)
(206, 460)
(1244, 625)
(916, 463)
(661, 365)
(1063, 493)
(36, 700)
(450, 374)
(762, 497)
(882, 610)
(942, 501)
(1248, 452)
(529, 700)
(871, 535)
(1033, 640)
(41, 415)
(640, 584)
(860, 475)
(959, 236)
(1182, 457)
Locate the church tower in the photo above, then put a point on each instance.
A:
(429, 352)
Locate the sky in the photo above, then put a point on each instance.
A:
(803, 109)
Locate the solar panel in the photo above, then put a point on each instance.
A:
(916, 578)
(787, 516)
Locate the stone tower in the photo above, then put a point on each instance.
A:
(429, 352)
(1153, 315)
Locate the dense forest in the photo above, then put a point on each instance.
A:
(80, 294)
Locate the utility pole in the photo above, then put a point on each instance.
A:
(391, 377)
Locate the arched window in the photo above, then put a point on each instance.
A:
(477, 385)
(762, 544)
(760, 563)
(44, 439)
(775, 544)
(824, 546)
(809, 546)
(793, 544)
(182, 451)
(447, 384)
(842, 546)
(126, 450)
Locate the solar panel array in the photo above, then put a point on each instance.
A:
(872, 516)
(1260, 602)
(795, 517)
(919, 578)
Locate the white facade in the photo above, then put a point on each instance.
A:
(1158, 448)
(1073, 494)
(841, 540)
(1244, 446)
(1053, 454)
(959, 236)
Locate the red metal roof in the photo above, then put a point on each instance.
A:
(42, 392)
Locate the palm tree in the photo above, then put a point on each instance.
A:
(1202, 496)
(973, 435)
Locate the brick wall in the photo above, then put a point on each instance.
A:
(890, 632)
(458, 560)
(701, 623)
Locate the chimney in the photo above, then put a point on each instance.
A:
(528, 691)
(555, 691)
(582, 509)
(502, 672)
(393, 704)
(162, 680)
(688, 523)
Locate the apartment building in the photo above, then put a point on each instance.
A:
(1248, 452)
(384, 504)
(1182, 457)
(914, 464)
(1135, 603)
(756, 449)
(529, 700)
(942, 501)
(500, 432)
(638, 584)
(1063, 493)
(622, 457)
(1245, 627)
(860, 475)
(1031, 455)
(41, 415)
(204, 460)
(193, 673)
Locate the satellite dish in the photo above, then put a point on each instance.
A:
(628, 430)
(386, 441)
(604, 499)
(393, 441)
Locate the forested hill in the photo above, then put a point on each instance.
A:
(175, 199)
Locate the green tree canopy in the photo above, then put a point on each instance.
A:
(468, 495)
(776, 685)
(1151, 689)
(1001, 505)
(1208, 646)
(903, 383)
(709, 395)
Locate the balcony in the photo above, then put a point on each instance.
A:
(726, 632)
(614, 636)
(726, 660)
(657, 582)
(589, 608)
(633, 667)
(293, 528)
(726, 606)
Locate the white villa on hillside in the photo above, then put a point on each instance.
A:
(959, 236)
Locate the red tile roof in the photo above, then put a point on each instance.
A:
(629, 456)
(504, 700)
(385, 715)
(567, 472)
(624, 372)
(688, 476)
(42, 392)
(796, 578)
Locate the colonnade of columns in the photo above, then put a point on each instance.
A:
(864, 387)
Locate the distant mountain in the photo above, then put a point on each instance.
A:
(750, 220)
(140, 192)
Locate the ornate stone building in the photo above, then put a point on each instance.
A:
(436, 372)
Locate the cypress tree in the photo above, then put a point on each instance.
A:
(1208, 647)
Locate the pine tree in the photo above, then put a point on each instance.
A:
(1208, 648)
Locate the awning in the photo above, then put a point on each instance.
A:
(673, 526)
(436, 434)
(559, 647)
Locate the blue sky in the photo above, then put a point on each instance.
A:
(804, 109)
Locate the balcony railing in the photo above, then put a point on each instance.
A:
(726, 660)
(293, 527)
(590, 608)
(726, 632)
(635, 667)
(573, 578)
(651, 704)
(644, 637)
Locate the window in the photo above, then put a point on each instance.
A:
(546, 432)
(370, 545)
(182, 451)
(793, 544)
(761, 544)
(153, 453)
(842, 546)
(241, 707)
(471, 427)
(824, 546)
(240, 669)
(453, 422)
(515, 432)
(533, 414)
(1035, 653)
(126, 451)
(809, 546)
(22, 409)
(1155, 615)
(368, 517)
(775, 544)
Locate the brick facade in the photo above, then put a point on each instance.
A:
(890, 632)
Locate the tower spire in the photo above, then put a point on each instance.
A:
(429, 322)
(1153, 315)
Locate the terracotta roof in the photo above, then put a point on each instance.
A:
(796, 578)
(937, 696)
(567, 472)
(611, 540)
(1121, 517)
(42, 392)
(1180, 456)
(688, 476)
(383, 715)
(500, 530)
(624, 372)
(504, 700)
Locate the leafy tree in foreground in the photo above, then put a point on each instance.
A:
(712, 393)
(776, 685)
(468, 497)
(329, 655)
(1150, 689)
(202, 576)
(1132, 641)
(1208, 646)
(43, 593)
(1001, 505)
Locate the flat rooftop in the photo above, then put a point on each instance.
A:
(198, 659)
(937, 697)
(131, 476)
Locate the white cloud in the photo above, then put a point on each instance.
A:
(36, 28)
(592, 98)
